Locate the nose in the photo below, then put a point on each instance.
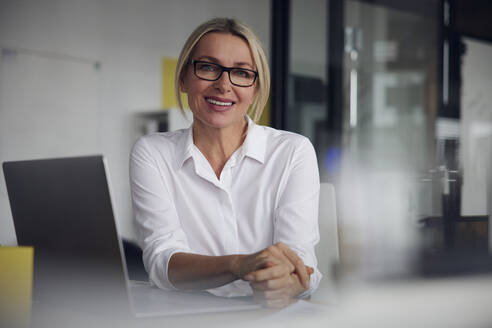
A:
(223, 84)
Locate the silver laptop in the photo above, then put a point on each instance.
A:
(63, 208)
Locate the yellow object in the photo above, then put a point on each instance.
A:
(265, 115)
(168, 71)
(16, 272)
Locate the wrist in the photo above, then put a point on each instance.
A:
(235, 265)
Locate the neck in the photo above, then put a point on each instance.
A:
(218, 144)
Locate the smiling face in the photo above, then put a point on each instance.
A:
(219, 104)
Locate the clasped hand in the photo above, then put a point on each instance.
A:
(276, 275)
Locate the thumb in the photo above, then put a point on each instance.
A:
(309, 270)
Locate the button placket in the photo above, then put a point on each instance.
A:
(229, 213)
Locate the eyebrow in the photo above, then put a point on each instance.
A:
(215, 60)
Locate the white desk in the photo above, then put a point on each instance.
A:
(457, 302)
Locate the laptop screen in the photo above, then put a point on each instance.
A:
(63, 208)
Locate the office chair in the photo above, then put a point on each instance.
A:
(327, 250)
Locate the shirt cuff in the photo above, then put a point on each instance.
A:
(314, 281)
(158, 274)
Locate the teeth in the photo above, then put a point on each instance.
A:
(219, 103)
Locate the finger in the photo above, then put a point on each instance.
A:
(293, 257)
(274, 272)
(257, 263)
(300, 268)
(271, 294)
(263, 274)
(278, 252)
(269, 264)
(272, 284)
(264, 263)
(309, 270)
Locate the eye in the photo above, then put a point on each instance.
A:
(242, 73)
(206, 67)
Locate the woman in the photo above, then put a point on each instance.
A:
(227, 205)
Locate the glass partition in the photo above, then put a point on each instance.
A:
(390, 104)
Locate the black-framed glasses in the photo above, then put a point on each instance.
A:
(240, 77)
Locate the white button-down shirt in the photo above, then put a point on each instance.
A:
(268, 192)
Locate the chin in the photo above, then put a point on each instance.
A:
(219, 122)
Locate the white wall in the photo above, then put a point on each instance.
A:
(128, 38)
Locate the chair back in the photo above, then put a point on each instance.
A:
(327, 250)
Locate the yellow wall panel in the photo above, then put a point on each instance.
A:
(168, 71)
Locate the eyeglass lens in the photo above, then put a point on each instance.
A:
(212, 72)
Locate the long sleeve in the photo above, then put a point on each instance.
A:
(296, 216)
(159, 231)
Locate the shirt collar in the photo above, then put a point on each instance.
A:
(254, 146)
(184, 149)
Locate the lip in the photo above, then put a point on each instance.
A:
(219, 108)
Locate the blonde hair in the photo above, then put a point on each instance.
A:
(234, 27)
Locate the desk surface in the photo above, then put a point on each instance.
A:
(457, 302)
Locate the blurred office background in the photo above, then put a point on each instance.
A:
(395, 96)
